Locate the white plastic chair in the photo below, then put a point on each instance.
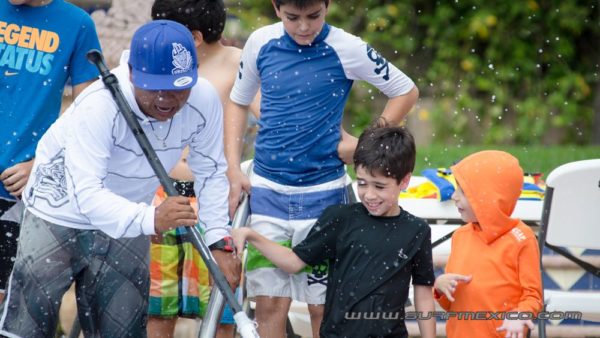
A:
(571, 218)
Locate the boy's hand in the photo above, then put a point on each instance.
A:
(448, 282)
(173, 212)
(514, 327)
(15, 178)
(239, 239)
(238, 181)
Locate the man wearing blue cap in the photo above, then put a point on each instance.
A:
(88, 200)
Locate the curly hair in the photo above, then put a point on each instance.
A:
(206, 16)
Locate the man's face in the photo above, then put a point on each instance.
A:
(161, 104)
(303, 25)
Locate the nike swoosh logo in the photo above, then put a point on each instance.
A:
(7, 73)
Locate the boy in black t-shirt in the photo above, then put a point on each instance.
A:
(373, 248)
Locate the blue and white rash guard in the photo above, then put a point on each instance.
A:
(304, 90)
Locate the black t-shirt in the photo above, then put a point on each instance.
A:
(371, 262)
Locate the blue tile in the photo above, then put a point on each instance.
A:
(591, 252)
(584, 283)
(549, 283)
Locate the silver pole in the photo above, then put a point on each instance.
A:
(216, 303)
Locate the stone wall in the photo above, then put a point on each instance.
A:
(116, 26)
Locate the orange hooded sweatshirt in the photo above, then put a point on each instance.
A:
(499, 252)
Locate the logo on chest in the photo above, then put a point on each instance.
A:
(401, 254)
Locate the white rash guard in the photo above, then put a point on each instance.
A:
(90, 173)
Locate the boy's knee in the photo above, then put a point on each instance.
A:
(316, 311)
(272, 307)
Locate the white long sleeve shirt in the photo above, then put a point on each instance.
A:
(90, 172)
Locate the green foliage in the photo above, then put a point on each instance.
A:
(497, 72)
(517, 70)
(534, 158)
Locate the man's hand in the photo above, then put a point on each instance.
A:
(448, 282)
(15, 178)
(230, 265)
(514, 327)
(346, 147)
(173, 212)
(238, 181)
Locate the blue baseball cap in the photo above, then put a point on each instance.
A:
(163, 57)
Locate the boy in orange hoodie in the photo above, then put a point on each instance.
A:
(494, 262)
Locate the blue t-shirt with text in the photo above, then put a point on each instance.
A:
(40, 48)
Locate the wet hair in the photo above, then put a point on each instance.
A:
(206, 16)
(300, 4)
(387, 151)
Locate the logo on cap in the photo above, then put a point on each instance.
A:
(183, 81)
(182, 59)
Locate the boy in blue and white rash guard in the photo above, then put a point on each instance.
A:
(305, 69)
(88, 200)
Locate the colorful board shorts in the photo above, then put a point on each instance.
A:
(285, 214)
(179, 279)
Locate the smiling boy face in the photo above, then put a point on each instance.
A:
(379, 193)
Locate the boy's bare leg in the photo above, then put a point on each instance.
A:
(225, 331)
(271, 315)
(316, 317)
(161, 327)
